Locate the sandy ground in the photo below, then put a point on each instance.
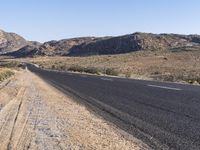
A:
(175, 66)
(181, 66)
(35, 116)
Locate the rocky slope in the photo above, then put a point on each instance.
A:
(10, 42)
(135, 42)
(110, 45)
(62, 47)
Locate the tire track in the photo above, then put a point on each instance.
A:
(31, 107)
(7, 124)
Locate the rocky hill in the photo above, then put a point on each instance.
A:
(135, 42)
(62, 47)
(26, 51)
(110, 45)
(53, 48)
(10, 42)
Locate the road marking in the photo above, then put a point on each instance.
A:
(106, 79)
(164, 87)
(36, 65)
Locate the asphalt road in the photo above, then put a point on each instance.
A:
(163, 115)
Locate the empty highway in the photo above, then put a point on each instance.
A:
(163, 115)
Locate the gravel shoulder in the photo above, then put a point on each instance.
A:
(34, 115)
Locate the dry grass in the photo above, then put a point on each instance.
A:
(5, 73)
(168, 66)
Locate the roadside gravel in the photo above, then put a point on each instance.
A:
(36, 116)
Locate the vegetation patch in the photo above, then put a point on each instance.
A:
(128, 74)
(193, 80)
(183, 66)
(5, 73)
(94, 70)
(10, 64)
(91, 70)
(111, 71)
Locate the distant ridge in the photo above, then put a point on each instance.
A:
(85, 46)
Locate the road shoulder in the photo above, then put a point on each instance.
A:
(47, 118)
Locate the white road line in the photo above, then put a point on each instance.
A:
(106, 79)
(36, 65)
(164, 87)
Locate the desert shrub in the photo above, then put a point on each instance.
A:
(111, 71)
(193, 80)
(156, 73)
(62, 67)
(170, 78)
(128, 74)
(10, 64)
(198, 80)
(76, 68)
(5, 74)
(53, 67)
(91, 70)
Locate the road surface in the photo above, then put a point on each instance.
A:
(163, 115)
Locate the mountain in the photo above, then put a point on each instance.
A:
(53, 48)
(62, 47)
(10, 42)
(26, 51)
(135, 42)
(110, 45)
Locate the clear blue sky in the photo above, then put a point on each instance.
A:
(44, 20)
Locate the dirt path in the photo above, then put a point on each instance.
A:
(35, 116)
